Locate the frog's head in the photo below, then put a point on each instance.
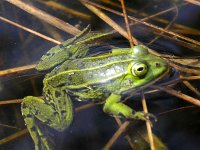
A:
(145, 68)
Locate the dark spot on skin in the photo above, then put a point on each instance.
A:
(120, 115)
(24, 106)
(52, 105)
(48, 121)
(48, 92)
(61, 46)
(43, 136)
(64, 103)
(28, 116)
(133, 112)
(33, 129)
(157, 64)
(66, 49)
(49, 54)
(44, 97)
(70, 77)
(70, 54)
(81, 65)
(55, 113)
(46, 100)
(63, 112)
(57, 94)
(36, 112)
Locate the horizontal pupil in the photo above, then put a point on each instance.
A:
(140, 69)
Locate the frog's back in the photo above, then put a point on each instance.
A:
(91, 71)
(96, 61)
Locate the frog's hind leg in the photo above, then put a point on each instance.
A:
(37, 114)
(30, 111)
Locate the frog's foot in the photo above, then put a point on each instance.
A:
(115, 107)
(143, 116)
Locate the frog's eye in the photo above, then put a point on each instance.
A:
(139, 69)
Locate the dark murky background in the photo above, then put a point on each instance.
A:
(91, 130)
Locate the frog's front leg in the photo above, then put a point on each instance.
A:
(114, 107)
(38, 113)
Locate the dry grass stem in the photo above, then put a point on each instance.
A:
(86, 106)
(173, 82)
(190, 77)
(183, 31)
(192, 88)
(176, 109)
(56, 5)
(127, 136)
(147, 17)
(105, 18)
(195, 2)
(8, 126)
(143, 14)
(187, 61)
(174, 35)
(183, 69)
(53, 33)
(13, 136)
(16, 70)
(117, 134)
(114, 25)
(131, 39)
(60, 24)
(167, 27)
(13, 101)
(179, 95)
(30, 30)
(148, 124)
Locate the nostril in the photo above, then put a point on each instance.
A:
(157, 64)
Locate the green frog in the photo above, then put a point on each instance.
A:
(102, 78)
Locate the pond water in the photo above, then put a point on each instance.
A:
(178, 125)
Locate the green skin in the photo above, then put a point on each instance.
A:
(102, 78)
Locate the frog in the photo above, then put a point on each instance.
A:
(75, 75)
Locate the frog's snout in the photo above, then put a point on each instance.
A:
(160, 67)
(159, 64)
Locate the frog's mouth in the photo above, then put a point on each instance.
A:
(165, 74)
(133, 92)
(171, 74)
(158, 78)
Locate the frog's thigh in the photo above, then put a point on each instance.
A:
(33, 107)
(114, 107)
